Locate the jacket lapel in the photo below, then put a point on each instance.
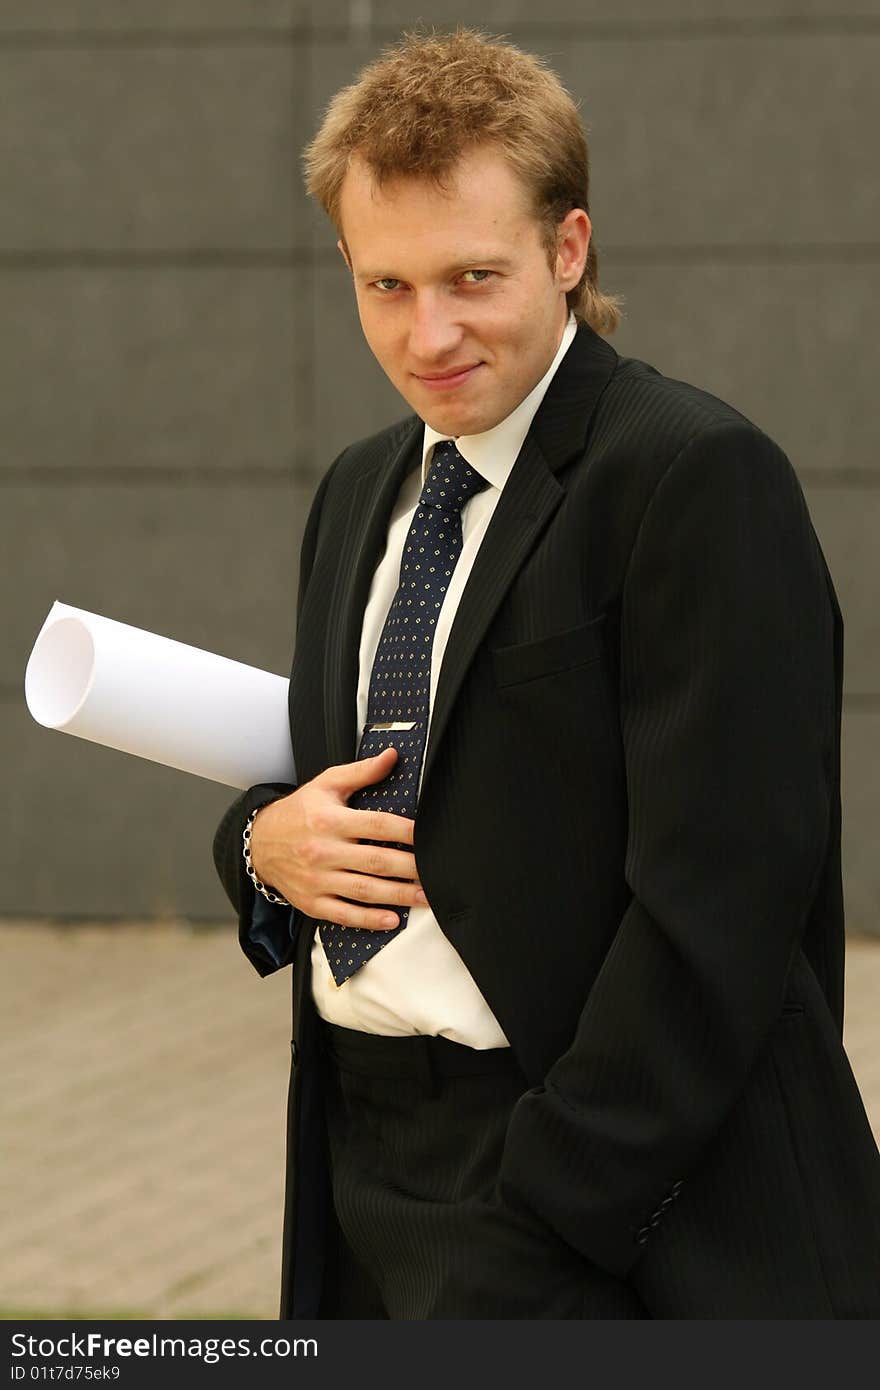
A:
(529, 499)
(372, 501)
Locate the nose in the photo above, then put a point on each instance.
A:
(434, 333)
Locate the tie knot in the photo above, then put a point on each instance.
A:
(451, 480)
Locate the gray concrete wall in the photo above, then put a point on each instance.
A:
(181, 356)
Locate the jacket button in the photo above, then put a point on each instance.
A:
(294, 1052)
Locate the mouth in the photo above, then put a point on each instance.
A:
(449, 380)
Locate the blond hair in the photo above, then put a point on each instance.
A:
(432, 97)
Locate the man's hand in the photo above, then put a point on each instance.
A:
(307, 847)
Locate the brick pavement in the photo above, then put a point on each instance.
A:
(144, 1079)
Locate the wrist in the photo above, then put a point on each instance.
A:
(268, 892)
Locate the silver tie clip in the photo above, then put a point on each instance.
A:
(390, 728)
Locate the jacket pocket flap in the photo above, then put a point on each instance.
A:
(560, 651)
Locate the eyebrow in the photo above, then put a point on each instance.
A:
(483, 262)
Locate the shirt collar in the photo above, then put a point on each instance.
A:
(494, 452)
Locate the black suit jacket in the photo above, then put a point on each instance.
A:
(629, 829)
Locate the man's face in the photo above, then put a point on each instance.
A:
(456, 297)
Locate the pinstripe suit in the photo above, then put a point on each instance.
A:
(638, 717)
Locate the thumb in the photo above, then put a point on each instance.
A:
(348, 777)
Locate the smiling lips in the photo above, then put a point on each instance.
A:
(446, 381)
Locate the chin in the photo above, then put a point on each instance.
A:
(456, 422)
(454, 417)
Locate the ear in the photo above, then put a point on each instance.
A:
(572, 245)
(343, 251)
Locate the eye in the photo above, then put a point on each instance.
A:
(387, 284)
(480, 276)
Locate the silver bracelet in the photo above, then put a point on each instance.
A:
(260, 887)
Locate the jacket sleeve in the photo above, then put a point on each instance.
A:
(266, 932)
(727, 710)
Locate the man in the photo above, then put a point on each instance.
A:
(564, 856)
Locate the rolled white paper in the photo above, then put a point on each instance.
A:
(159, 699)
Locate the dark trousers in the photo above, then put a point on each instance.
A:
(416, 1129)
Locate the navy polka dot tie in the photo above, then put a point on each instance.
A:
(400, 680)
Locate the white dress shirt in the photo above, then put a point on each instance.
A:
(418, 983)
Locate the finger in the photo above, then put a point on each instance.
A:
(377, 825)
(378, 862)
(364, 889)
(346, 778)
(347, 823)
(348, 914)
